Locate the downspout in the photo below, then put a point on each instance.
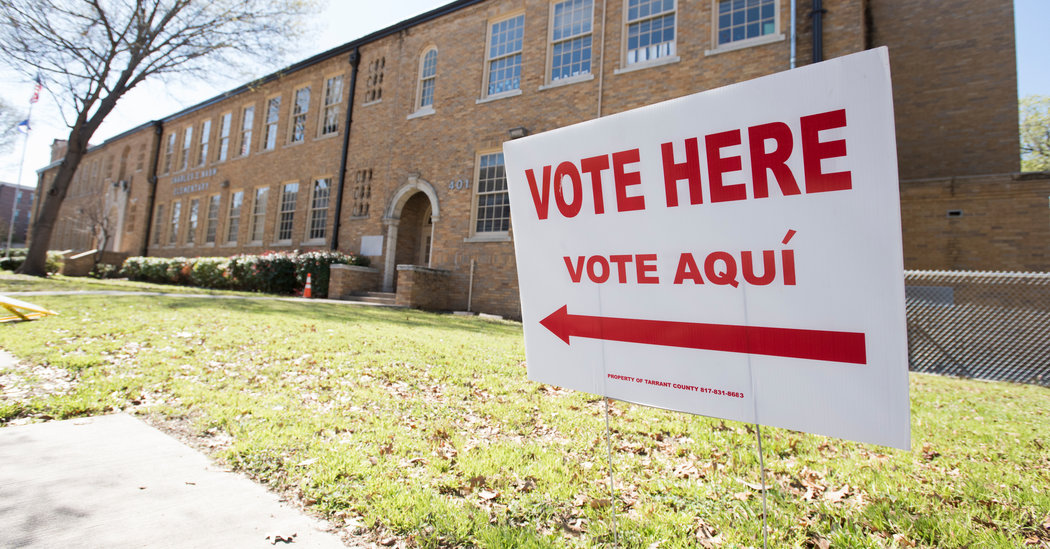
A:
(794, 35)
(355, 58)
(818, 30)
(601, 65)
(151, 193)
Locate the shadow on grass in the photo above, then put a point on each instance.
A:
(306, 311)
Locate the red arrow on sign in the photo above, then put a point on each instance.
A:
(757, 340)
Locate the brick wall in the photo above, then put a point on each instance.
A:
(954, 85)
(996, 223)
(422, 288)
(955, 107)
(348, 280)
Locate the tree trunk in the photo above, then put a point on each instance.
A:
(44, 222)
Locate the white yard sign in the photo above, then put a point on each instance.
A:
(734, 253)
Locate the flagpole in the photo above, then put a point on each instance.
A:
(21, 166)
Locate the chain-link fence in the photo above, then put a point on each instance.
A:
(981, 325)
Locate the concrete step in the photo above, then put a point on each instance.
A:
(378, 298)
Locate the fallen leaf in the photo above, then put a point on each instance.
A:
(742, 496)
(708, 536)
(903, 541)
(488, 495)
(281, 538)
(818, 541)
(837, 495)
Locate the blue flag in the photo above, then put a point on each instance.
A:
(23, 126)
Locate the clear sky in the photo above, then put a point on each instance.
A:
(343, 21)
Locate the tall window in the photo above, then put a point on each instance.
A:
(744, 19)
(286, 215)
(493, 214)
(504, 55)
(319, 209)
(246, 130)
(259, 213)
(202, 152)
(158, 224)
(224, 135)
(191, 224)
(299, 110)
(333, 94)
(176, 210)
(427, 78)
(187, 144)
(650, 30)
(169, 152)
(273, 110)
(213, 220)
(571, 39)
(234, 220)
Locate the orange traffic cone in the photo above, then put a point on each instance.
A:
(307, 290)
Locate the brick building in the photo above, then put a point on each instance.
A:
(390, 145)
(15, 200)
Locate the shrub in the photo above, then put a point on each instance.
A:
(276, 272)
(14, 260)
(318, 265)
(103, 270)
(52, 264)
(209, 272)
(271, 272)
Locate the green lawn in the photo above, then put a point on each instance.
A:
(423, 427)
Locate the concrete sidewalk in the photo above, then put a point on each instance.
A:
(115, 482)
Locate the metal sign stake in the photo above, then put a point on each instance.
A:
(612, 485)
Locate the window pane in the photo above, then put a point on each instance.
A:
(743, 19)
(493, 213)
(505, 61)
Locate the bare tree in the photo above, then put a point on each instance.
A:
(9, 120)
(91, 52)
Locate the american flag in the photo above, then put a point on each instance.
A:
(36, 90)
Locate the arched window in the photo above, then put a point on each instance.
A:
(427, 78)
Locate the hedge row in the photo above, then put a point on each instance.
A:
(271, 272)
(52, 264)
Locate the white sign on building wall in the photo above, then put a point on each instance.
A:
(734, 253)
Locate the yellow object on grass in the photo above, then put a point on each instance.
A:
(31, 311)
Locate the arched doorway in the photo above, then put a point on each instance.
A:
(410, 218)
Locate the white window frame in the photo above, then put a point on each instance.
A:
(476, 235)
(491, 58)
(633, 63)
(247, 124)
(211, 226)
(234, 210)
(299, 115)
(202, 148)
(317, 227)
(567, 39)
(283, 209)
(330, 110)
(225, 121)
(733, 45)
(176, 213)
(192, 221)
(187, 148)
(273, 107)
(259, 203)
(169, 152)
(423, 79)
